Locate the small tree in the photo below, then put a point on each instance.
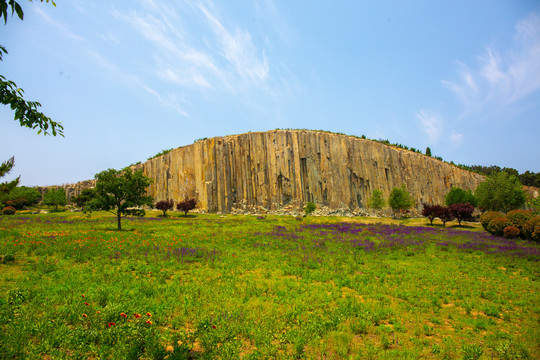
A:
(462, 212)
(428, 151)
(431, 211)
(55, 197)
(186, 205)
(84, 197)
(119, 192)
(400, 199)
(445, 215)
(500, 192)
(164, 205)
(376, 201)
(459, 196)
(309, 208)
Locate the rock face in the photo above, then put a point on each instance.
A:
(284, 168)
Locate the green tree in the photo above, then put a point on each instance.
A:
(55, 197)
(25, 111)
(459, 196)
(500, 192)
(119, 192)
(377, 200)
(85, 196)
(5, 168)
(428, 151)
(23, 196)
(400, 199)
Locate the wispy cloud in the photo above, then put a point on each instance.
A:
(502, 78)
(431, 123)
(59, 26)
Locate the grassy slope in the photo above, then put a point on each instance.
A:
(237, 286)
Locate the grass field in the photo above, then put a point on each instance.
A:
(229, 287)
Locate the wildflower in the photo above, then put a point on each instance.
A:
(123, 315)
(86, 304)
(169, 348)
(111, 324)
(136, 315)
(214, 326)
(148, 314)
(84, 315)
(83, 295)
(97, 312)
(149, 322)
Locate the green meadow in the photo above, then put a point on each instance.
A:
(245, 287)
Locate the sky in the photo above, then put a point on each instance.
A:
(128, 79)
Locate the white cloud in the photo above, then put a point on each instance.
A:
(431, 123)
(59, 26)
(502, 78)
(456, 138)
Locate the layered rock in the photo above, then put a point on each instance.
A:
(284, 168)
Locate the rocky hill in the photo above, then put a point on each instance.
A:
(287, 168)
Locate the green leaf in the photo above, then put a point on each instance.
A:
(19, 11)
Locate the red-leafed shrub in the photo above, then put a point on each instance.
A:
(496, 226)
(164, 205)
(186, 205)
(531, 229)
(519, 218)
(462, 211)
(486, 217)
(511, 232)
(431, 211)
(9, 210)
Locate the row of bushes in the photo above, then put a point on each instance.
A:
(516, 223)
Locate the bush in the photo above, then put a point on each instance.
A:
(23, 196)
(186, 205)
(519, 218)
(486, 217)
(531, 229)
(165, 205)
(55, 198)
(9, 210)
(496, 226)
(376, 201)
(511, 232)
(461, 212)
(309, 208)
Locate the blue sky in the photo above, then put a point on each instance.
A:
(128, 79)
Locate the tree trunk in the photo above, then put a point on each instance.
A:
(119, 218)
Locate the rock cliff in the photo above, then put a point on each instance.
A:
(284, 168)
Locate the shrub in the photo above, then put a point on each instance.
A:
(376, 201)
(186, 205)
(55, 197)
(9, 210)
(486, 217)
(165, 205)
(461, 211)
(431, 211)
(519, 218)
(511, 232)
(22, 196)
(531, 229)
(85, 196)
(496, 226)
(309, 208)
